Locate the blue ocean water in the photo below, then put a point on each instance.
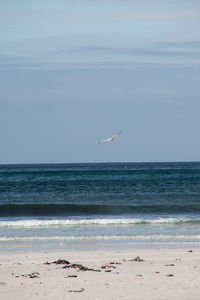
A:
(99, 205)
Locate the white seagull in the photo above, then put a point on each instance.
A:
(111, 139)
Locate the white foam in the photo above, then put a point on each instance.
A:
(98, 221)
(100, 237)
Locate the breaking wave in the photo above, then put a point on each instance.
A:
(95, 222)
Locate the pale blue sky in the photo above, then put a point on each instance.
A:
(73, 72)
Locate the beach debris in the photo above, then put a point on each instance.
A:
(58, 262)
(34, 275)
(72, 276)
(170, 265)
(137, 258)
(139, 275)
(31, 275)
(61, 262)
(2, 283)
(108, 267)
(70, 265)
(80, 267)
(76, 291)
(170, 275)
(190, 250)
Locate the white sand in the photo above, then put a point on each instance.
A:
(164, 274)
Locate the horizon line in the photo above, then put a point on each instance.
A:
(106, 162)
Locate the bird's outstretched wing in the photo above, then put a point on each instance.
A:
(111, 139)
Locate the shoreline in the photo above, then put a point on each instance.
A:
(52, 244)
(136, 273)
(93, 246)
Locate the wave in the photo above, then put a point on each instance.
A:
(101, 237)
(95, 222)
(95, 209)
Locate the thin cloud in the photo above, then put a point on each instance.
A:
(66, 57)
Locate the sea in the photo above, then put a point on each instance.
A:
(99, 205)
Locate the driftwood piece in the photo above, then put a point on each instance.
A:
(76, 291)
(137, 258)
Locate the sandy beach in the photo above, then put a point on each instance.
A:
(101, 275)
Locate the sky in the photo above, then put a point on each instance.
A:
(73, 72)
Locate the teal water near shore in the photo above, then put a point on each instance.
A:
(99, 205)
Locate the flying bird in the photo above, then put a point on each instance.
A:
(111, 139)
